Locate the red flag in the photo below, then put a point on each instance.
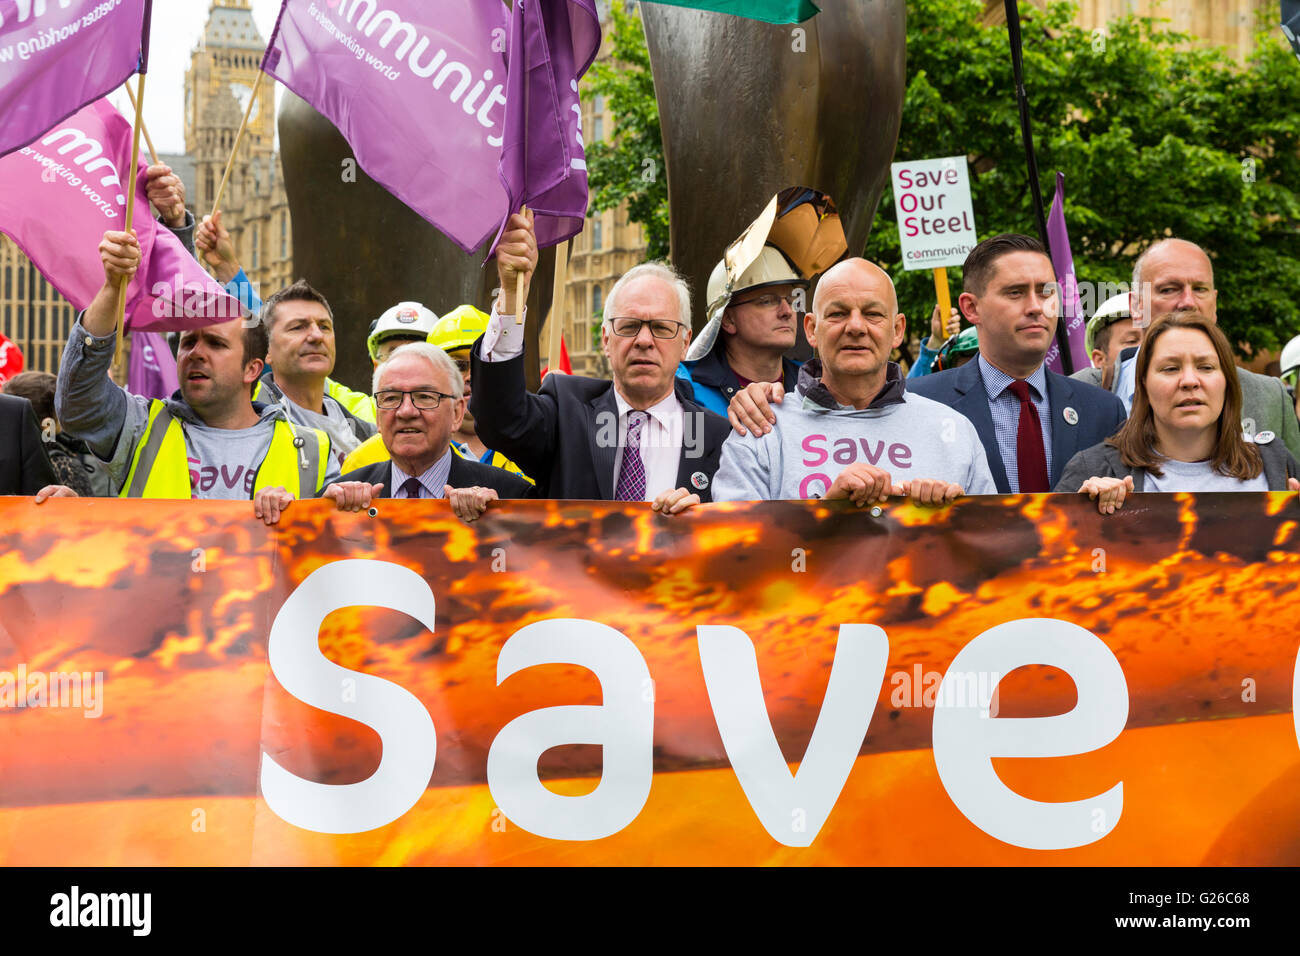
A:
(565, 367)
(11, 359)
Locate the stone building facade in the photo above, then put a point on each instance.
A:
(221, 79)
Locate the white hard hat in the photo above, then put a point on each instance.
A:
(406, 319)
(1110, 312)
(1290, 360)
(770, 268)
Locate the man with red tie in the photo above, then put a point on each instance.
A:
(1030, 420)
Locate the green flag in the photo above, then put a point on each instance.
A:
(769, 11)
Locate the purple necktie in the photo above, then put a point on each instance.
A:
(631, 476)
(412, 487)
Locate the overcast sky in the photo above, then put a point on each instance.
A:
(177, 26)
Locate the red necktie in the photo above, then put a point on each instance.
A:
(1031, 458)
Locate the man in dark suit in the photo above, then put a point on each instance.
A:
(420, 400)
(641, 437)
(24, 467)
(1031, 420)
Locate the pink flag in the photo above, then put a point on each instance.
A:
(57, 56)
(418, 90)
(543, 163)
(59, 196)
(1071, 305)
(152, 369)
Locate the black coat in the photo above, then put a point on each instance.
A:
(552, 435)
(24, 467)
(464, 474)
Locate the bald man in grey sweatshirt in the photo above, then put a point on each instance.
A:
(850, 430)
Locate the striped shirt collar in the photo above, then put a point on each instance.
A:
(434, 478)
(997, 381)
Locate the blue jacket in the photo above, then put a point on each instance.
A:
(1099, 414)
(715, 385)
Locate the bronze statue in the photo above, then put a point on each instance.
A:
(366, 250)
(747, 109)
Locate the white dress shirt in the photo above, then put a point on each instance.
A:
(661, 444)
(432, 483)
(503, 339)
(661, 436)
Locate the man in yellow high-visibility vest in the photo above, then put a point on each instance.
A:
(208, 441)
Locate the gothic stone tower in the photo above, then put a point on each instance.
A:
(218, 86)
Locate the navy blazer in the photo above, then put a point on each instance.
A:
(553, 435)
(464, 473)
(24, 467)
(1099, 414)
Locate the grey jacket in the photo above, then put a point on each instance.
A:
(109, 419)
(1089, 375)
(1103, 461)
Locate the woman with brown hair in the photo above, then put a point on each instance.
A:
(1184, 432)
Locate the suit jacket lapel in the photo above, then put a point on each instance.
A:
(1065, 437)
(974, 404)
(455, 473)
(691, 412)
(601, 410)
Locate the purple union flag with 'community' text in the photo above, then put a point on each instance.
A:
(58, 55)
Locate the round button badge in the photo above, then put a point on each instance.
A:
(1070, 415)
(699, 481)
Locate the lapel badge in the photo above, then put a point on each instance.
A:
(699, 481)
(1263, 438)
(1070, 415)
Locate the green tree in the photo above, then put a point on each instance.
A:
(1155, 138)
(631, 168)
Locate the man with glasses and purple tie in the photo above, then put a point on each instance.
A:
(640, 437)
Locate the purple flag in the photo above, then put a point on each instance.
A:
(59, 196)
(57, 56)
(417, 88)
(1071, 306)
(543, 164)
(152, 369)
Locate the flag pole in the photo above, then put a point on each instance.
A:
(1031, 160)
(119, 348)
(230, 163)
(942, 295)
(557, 305)
(153, 153)
(519, 285)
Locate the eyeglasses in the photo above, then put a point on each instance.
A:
(769, 301)
(659, 328)
(424, 398)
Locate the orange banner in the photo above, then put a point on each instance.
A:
(1008, 681)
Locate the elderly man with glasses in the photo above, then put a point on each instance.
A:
(420, 400)
(640, 437)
